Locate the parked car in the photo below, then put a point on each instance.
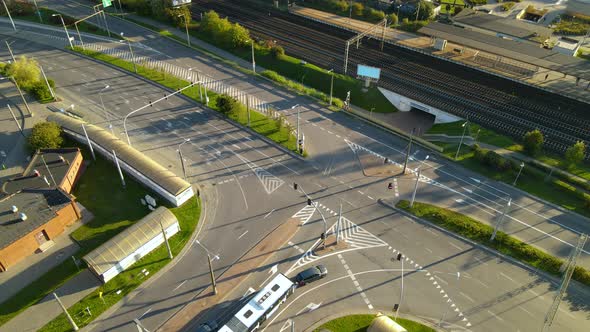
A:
(310, 275)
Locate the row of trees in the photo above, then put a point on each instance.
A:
(159, 9)
(533, 145)
(223, 31)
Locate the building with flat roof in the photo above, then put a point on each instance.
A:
(30, 219)
(36, 206)
(500, 26)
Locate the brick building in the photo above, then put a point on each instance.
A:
(37, 206)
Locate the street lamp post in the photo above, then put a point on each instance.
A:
(518, 175)
(65, 29)
(371, 112)
(180, 155)
(9, 16)
(299, 142)
(213, 284)
(253, 60)
(400, 257)
(501, 219)
(130, 51)
(309, 202)
(188, 39)
(37, 10)
(331, 84)
(417, 179)
(464, 125)
(22, 96)
(148, 105)
(408, 151)
(104, 111)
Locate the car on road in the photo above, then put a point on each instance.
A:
(310, 275)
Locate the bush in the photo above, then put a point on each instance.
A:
(426, 10)
(393, 19)
(533, 142)
(412, 26)
(507, 6)
(357, 9)
(45, 135)
(575, 153)
(226, 104)
(25, 71)
(41, 91)
(277, 51)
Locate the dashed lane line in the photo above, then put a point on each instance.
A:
(356, 283)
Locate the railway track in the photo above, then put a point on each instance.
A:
(483, 98)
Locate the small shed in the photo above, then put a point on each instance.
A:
(382, 323)
(129, 246)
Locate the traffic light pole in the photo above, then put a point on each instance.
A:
(309, 202)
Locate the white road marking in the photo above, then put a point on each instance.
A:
(467, 297)
(454, 245)
(356, 283)
(268, 214)
(180, 285)
(507, 277)
(239, 237)
(145, 313)
(497, 317)
(528, 312)
(371, 198)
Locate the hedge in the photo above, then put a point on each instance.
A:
(481, 233)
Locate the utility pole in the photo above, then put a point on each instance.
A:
(408, 151)
(253, 60)
(89, 143)
(22, 96)
(565, 280)
(212, 275)
(417, 180)
(181, 158)
(331, 84)
(462, 136)
(9, 16)
(74, 326)
(119, 168)
(47, 82)
(418, 11)
(400, 257)
(131, 51)
(501, 219)
(166, 240)
(66, 29)
(338, 223)
(188, 38)
(15, 120)
(310, 202)
(38, 12)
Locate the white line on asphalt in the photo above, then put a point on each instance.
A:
(370, 197)
(337, 135)
(329, 132)
(497, 317)
(430, 251)
(431, 231)
(454, 245)
(349, 203)
(268, 214)
(239, 237)
(528, 312)
(481, 283)
(180, 285)
(467, 297)
(360, 192)
(150, 309)
(507, 277)
(480, 261)
(235, 146)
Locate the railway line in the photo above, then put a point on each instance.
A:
(501, 104)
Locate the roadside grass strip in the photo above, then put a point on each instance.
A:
(274, 129)
(481, 233)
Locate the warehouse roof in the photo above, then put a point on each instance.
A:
(39, 206)
(58, 162)
(129, 240)
(127, 154)
(498, 24)
(521, 51)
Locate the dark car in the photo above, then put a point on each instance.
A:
(311, 274)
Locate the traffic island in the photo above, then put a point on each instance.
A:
(375, 165)
(369, 323)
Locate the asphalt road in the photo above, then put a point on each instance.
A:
(242, 207)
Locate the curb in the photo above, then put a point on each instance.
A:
(551, 278)
(127, 298)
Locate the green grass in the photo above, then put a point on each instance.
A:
(260, 122)
(54, 21)
(531, 180)
(360, 323)
(99, 190)
(443, 9)
(131, 278)
(481, 233)
(485, 135)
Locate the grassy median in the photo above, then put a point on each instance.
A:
(360, 323)
(481, 233)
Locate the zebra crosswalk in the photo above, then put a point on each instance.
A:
(269, 181)
(305, 214)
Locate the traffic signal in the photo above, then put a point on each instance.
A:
(386, 160)
(295, 186)
(395, 307)
(390, 185)
(309, 201)
(399, 257)
(323, 236)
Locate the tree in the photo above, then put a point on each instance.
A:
(393, 19)
(426, 10)
(158, 8)
(277, 51)
(25, 71)
(238, 36)
(46, 135)
(226, 104)
(533, 142)
(357, 9)
(575, 153)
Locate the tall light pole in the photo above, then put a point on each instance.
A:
(400, 257)
(166, 240)
(74, 326)
(65, 29)
(310, 202)
(501, 219)
(518, 175)
(188, 38)
(213, 284)
(38, 12)
(408, 151)
(104, 111)
(186, 140)
(130, 51)
(149, 105)
(9, 16)
(417, 179)
(464, 125)
(299, 142)
(331, 84)
(253, 60)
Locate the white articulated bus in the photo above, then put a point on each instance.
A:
(251, 311)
